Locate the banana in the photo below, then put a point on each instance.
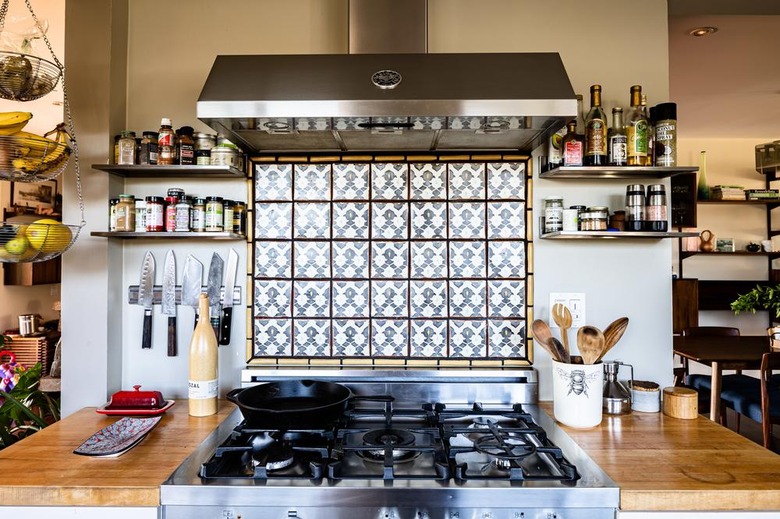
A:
(42, 152)
(13, 122)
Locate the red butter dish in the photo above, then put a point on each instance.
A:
(136, 402)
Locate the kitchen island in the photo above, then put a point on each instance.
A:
(660, 464)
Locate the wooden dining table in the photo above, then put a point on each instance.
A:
(722, 353)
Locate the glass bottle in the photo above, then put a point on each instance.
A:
(650, 116)
(185, 146)
(616, 140)
(573, 145)
(126, 155)
(636, 130)
(166, 143)
(203, 388)
(595, 130)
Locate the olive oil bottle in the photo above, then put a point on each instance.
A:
(636, 130)
(595, 130)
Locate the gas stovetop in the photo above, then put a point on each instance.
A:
(451, 446)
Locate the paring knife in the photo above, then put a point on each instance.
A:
(227, 300)
(146, 296)
(212, 289)
(191, 283)
(169, 299)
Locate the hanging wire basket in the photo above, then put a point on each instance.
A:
(25, 157)
(25, 78)
(39, 240)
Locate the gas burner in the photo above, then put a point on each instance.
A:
(275, 457)
(482, 422)
(388, 438)
(504, 447)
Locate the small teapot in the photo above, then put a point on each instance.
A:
(753, 247)
(707, 241)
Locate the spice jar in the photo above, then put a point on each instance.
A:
(227, 215)
(203, 144)
(126, 155)
(185, 146)
(214, 214)
(140, 216)
(155, 214)
(239, 218)
(666, 135)
(598, 217)
(224, 155)
(553, 214)
(112, 203)
(183, 211)
(198, 215)
(125, 214)
(618, 220)
(147, 155)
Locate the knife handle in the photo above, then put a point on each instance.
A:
(214, 320)
(172, 336)
(224, 326)
(197, 317)
(146, 342)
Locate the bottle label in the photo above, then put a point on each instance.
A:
(554, 154)
(596, 132)
(666, 143)
(203, 389)
(165, 139)
(618, 153)
(637, 139)
(572, 153)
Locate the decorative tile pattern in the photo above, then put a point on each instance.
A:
(506, 220)
(350, 259)
(389, 299)
(467, 298)
(388, 181)
(468, 338)
(429, 123)
(350, 299)
(428, 299)
(273, 259)
(429, 259)
(390, 260)
(467, 220)
(350, 181)
(310, 124)
(428, 181)
(506, 180)
(506, 299)
(272, 298)
(429, 338)
(312, 181)
(311, 299)
(312, 259)
(312, 220)
(465, 123)
(273, 337)
(350, 220)
(390, 338)
(506, 259)
(273, 220)
(350, 123)
(429, 220)
(467, 259)
(389, 221)
(312, 338)
(350, 338)
(506, 338)
(467, 181)
(273, 182)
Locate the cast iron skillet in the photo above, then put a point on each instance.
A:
(295, 404)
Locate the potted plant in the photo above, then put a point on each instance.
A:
(763, 297)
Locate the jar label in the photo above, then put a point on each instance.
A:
(203, 389)
(597, 137)
(572, 153)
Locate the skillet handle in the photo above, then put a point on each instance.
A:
(377, 398)
(233, 394)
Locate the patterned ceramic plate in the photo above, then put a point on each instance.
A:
(117, 438)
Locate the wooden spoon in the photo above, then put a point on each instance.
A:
(590, 341)
(562, 317)
(543, 336)
(563, 354)
(613, 333)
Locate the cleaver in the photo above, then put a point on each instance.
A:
(146, 297)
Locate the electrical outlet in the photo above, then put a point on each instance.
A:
(574, 301)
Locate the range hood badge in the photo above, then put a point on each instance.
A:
(386, 79)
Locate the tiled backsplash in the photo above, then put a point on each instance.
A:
(390, 259)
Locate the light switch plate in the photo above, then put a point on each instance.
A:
(575, 301)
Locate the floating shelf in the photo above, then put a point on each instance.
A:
(688, 254)
(170, 235)
(614, 235)
(586, 172)
(171, 171)
(762, 201)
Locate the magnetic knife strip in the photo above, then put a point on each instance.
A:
(132, 294)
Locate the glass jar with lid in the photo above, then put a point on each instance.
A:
(214, 214)
(126, 155)
(553, 214)
(125, 214)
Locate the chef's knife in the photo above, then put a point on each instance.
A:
(146, 296)
(212, 289)
(169, 299)
(191, 283)
(227, 300)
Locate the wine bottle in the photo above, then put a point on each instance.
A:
(616, 140)
(573, 146)
(649, 115)
(595, 130)
(636, 130)
(204, 378)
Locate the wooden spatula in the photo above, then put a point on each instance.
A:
(544, 337)
(590, 342)
(612, 334)
(562, 317)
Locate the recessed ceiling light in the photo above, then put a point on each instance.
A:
(702, 31)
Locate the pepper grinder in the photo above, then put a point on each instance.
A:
(635, 207)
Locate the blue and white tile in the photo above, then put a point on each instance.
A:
(311, 299)
(350, 220)
(350, 299)
(273, 298)
(428, 181)
(350, 259)
(273, 220)
(274, 123)
(389, 298)
(429, 259)
(429, 338)
(350, 181)
(312, 259)
(428, 299)
(390, 338)
(311, 124)
(312, 220)
(273, 259)
(467, 298)
(273, 337)
(388, 181)
(350, 123)
(506, 259)
(506, 220)
(467, 259)
(467, 181)
(429, 220)
(467, 220)
(468, 338)
(350, 338)
(312, 181)
(390, 260)
(506, 339)
(506, 299)
(389, 221)
(312, 338)
(506, 180)
(465, 123)
(428, 123)
(273, 182)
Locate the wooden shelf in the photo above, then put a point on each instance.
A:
(688, 254)
(614, 235)
(171, 171)
(593, 172)
(170, 235)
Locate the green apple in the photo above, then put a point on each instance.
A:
(17, 246)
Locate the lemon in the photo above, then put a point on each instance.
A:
(48, 235)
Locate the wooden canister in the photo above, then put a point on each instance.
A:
(681, 402)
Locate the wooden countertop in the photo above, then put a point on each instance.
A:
(663, 463)
(43, 471)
